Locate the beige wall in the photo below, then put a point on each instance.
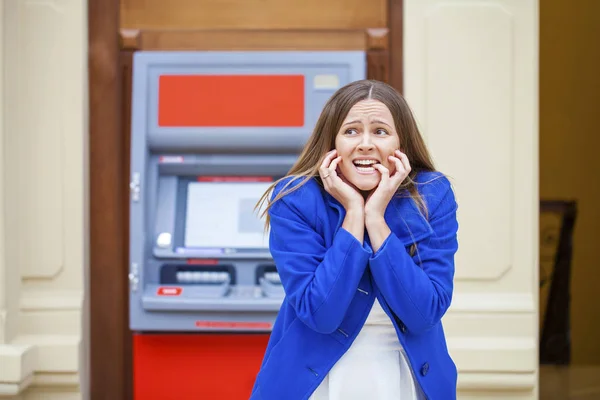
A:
(471, 77)
(43, 238)
(569, 149)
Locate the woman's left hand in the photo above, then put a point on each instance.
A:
(379, 199)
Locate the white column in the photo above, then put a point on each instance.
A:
(3, 271)
(16, 361)
(43, 236)
(471, 73)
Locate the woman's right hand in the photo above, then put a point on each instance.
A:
(349, 197)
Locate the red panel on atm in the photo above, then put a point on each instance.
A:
(196, 366)
(231, 101)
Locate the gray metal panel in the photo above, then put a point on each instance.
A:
(165, 211)
(169, 321)
(228, 164)
(211, 151)
(216, 253)
(191, 300)
(138, 193)
(348, 66)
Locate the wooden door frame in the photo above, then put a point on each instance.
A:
(395, 12)
(109, 84)
(110, 340)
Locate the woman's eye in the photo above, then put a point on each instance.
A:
(351, 132)
(381, 132)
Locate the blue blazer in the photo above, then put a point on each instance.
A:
(331, 282)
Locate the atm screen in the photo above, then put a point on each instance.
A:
(220, 214)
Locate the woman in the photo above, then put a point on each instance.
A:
(363, 234)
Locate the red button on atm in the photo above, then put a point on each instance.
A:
(169, 291)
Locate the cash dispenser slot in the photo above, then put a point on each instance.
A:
(212, 281)
(269, 281)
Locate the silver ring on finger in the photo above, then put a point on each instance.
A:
(325, 176)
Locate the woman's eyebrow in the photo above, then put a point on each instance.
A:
(378, 121)
(351, 122)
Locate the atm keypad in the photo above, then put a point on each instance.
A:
(197, 276)
(222, 281)
(214, 277)
(270, 282)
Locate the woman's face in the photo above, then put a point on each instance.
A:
(367, 136)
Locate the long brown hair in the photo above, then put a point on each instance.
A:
(326, 129)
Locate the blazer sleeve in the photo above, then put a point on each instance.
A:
(319, 281)
(419, 289)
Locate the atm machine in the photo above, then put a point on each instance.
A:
(210, 132)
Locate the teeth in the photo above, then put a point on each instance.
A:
(365, 162)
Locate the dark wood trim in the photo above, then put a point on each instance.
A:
(130, 39)
(378, 54)
(252, 39)
(374, 41)
(555, 334)
(110, 349)
(378, 65)
(395, 25)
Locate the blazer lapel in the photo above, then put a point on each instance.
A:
(405, 220)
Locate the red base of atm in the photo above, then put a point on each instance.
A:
(196, 366)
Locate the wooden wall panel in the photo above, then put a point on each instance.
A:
(246, 14)
(230, 39)
(395, 25)
(242, 39)
(110, 349)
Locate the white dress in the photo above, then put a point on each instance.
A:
(374, 367)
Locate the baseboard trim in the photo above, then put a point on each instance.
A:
(496, 382)
(13, 389)
(55, 353)
(17, 365)
(516, 355)
(492, 303)
(51, 300)
(66, 382)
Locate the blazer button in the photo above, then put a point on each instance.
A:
(402, 326)
(425, 369)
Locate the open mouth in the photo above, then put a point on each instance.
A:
(365, 166)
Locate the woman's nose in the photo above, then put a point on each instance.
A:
(365, 144)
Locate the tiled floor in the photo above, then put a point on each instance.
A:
(570, 383)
